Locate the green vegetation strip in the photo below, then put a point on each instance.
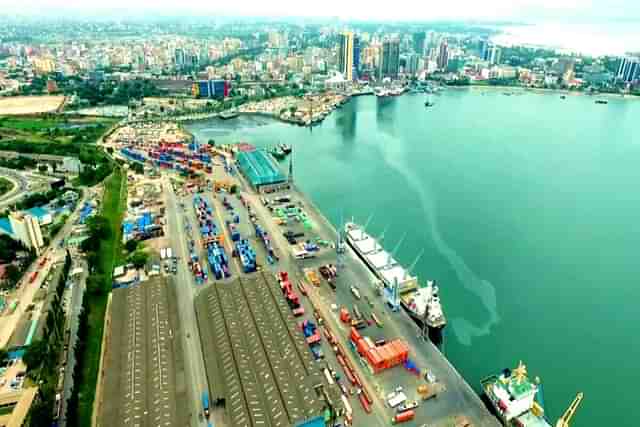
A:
(5, 186)
(102, 260)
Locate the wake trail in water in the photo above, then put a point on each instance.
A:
(396, 158)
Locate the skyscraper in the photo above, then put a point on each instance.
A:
(356, 57)
(345, 59)
(494, 54)
(418, 42)
(390, 58)
(629, 69)
(443, 55)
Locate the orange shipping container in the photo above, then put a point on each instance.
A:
(362, 346)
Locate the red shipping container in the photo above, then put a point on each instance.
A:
(355, 335)
(362, 346)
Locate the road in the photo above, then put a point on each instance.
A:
(186, 292)
(74, 307)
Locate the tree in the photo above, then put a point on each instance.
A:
(35, 354)
(139, 258)
(42, 168)
(131, 245)
(212, 142)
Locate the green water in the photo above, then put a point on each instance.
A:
(526, 207)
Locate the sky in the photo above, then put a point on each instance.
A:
(521, 10)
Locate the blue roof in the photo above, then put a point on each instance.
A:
(38, 212)
(5, 225)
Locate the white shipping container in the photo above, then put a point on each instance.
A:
(163, 253)
(347, 405)
(169, 253)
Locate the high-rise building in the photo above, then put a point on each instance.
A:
(179, 58)
(390, 64)
(443, 55)
(494, 55)
(418, 42)
(484, 49)
(345, 58)
(26, 228)
(412, 63)
(356, 57)
(629, 69)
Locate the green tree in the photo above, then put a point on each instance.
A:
(139, 258)
(212, 142)
(35, 354)
(131, 245)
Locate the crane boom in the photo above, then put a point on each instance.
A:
(571, 410)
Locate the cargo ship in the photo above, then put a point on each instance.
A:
(514, 398)
(421, 302)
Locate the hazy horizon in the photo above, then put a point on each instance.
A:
(526, 11)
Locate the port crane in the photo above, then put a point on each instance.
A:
(565, 419)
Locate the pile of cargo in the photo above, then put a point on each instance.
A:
(212, 238)
(382, 355)
(218, 261)
(329, 272)
(290, 294)
(313, 338)
(293, 212)
(246, 254)
(132, 154)
(266, 241)
(233, 231)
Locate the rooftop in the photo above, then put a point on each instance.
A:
(255, 355)
(259, 167)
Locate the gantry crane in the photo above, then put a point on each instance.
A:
(565, 419)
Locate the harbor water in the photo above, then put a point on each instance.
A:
(526, 207)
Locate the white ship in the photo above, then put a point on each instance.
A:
(421, 302)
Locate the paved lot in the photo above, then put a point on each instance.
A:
(255, 355)
(141, 391)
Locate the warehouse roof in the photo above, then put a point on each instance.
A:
(259, 167)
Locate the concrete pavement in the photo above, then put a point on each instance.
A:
(186, 291)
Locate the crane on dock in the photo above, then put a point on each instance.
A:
(565, 419)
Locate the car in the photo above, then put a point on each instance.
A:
(408, 405)
(431, 379)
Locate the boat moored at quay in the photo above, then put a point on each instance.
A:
(421, 302)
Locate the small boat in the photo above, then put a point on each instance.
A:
(429, 102)
(601, 101)
(285, 148)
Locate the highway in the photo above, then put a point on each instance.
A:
(186, 292)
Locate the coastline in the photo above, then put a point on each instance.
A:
(545, 91)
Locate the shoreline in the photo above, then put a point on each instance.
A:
(537, 90)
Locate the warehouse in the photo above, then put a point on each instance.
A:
(259, 168)
(256, 359)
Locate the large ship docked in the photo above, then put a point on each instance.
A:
(515, 398)
(421, 302)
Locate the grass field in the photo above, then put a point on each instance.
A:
(5, 186)
(110, 250)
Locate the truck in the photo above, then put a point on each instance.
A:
(205, 403)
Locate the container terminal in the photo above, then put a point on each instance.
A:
(296, 328)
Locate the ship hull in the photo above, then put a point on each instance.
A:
(435, 332)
